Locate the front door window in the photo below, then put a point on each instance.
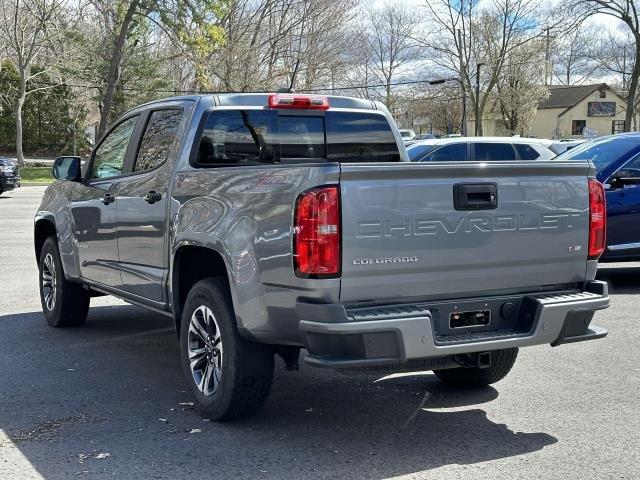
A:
(108, 159)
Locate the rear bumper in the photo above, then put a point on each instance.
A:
(404, 334)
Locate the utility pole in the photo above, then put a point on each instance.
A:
(333, 80)
(547, 58)
(624, 68)
(463, 127)
(477, 132)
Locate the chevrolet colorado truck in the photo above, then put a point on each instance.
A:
(266, 223)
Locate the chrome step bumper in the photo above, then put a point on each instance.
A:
(349, 338)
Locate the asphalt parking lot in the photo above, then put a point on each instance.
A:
(108, 400)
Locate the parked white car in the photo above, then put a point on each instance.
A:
(479, 149)
(407, 134)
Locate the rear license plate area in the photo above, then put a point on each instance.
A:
(465, 318)
(468, 319)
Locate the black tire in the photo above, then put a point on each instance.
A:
(241, 371)
(463, 377)
(70, 304)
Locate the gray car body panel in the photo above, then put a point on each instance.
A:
(245, 214)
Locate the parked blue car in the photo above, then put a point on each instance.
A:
(617, 162)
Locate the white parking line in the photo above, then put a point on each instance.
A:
(13, 464)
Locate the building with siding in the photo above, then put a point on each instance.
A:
(579, 111)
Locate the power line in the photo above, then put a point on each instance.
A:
(439, 81)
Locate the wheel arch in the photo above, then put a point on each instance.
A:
(192, 263)
(44, 228)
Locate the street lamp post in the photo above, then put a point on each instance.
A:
(477, 130)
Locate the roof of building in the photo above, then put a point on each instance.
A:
(569, 96)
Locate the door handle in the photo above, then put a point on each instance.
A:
(152, 197)
(108, 198)
(475, 196)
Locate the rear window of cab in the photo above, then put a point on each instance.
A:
(256, 137)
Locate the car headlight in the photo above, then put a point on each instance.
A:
(5, 170)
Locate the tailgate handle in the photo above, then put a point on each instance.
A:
(475, 196)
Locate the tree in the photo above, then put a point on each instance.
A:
(469, 33)
(390, 34)
(51, 116)
(572, 58)
(31, 32)
(267, 41)
(444, 110)
(519, 90)
(191, 25)
(627, 12)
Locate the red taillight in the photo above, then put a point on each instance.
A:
(316, 241)
(597, 219)
(309, 102)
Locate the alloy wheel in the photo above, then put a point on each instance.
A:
(49, 282)
(205, 350)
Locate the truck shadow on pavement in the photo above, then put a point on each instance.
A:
(621, 280)
(115, 386)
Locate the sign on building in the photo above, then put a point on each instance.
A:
(601, 109)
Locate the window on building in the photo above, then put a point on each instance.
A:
(577, 126)
(603, 94)
(617, 126)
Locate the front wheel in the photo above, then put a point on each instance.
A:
(64, 303)
(464, 377)
(229, 376)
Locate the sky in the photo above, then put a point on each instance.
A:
(606, 21)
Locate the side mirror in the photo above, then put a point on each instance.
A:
(67, 168)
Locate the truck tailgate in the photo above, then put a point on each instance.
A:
(404, 236)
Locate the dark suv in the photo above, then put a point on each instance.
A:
(9, 175)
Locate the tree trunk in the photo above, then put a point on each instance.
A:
(631, 96)
(114, 68)
(18, 114)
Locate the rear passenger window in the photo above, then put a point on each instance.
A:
(455, 152)
(526, 152)
(233, 137)
(158, 140)
(493, 152)
(360, 137)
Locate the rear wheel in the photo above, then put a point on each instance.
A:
(64, 303)
(229, 376)
(501, 363)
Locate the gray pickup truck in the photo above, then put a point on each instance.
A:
(266, 223)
